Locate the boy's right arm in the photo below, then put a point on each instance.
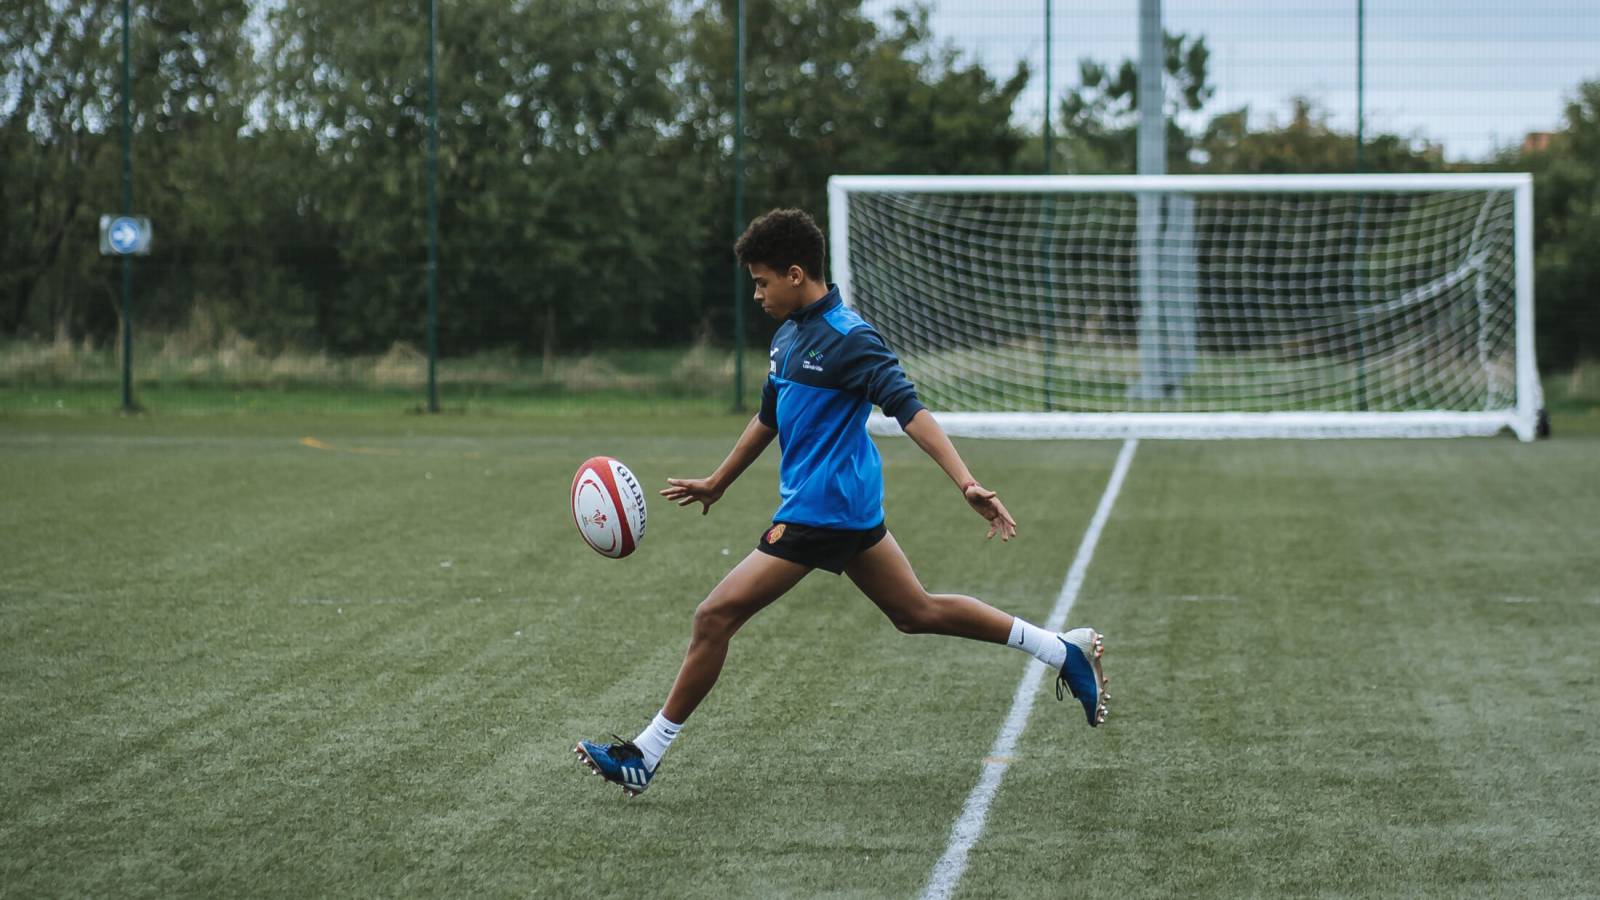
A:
(684, 491)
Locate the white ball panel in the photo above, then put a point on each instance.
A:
(632, 494)
(596, 515)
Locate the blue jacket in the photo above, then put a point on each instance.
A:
(828, 368)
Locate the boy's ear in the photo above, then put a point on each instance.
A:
(797, 275)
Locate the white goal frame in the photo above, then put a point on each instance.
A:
(1522, 418)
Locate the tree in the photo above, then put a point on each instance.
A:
(61, 135)
(584, 159)
(1100, 117)
(829, 91)
(1306, 144)
(555, 210)
(1566, 198)
(57, 60)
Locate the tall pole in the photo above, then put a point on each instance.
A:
(739, 301)
(1361, 82)
(1361, 206)
(1047, 249)
(127, 210)
(1151, 159)
(1049, 96)
(433, 207)
(1152, 95)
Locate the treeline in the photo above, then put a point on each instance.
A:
(585, 161)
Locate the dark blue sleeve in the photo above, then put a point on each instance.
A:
(769, 405)
(874, 371)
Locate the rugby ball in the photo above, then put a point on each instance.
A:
(608, 507)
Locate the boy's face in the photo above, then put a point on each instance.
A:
(779, 293)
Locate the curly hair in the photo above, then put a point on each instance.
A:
(782, 238)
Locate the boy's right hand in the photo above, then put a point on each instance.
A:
(684, 491)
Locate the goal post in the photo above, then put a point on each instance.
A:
(1200, 306)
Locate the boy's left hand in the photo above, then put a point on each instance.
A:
(684, 491)
(987, 504)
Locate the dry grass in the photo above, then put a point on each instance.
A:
(234, 359)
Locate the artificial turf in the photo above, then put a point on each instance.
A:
(234, 663)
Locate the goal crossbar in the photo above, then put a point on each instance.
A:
(1087, 184)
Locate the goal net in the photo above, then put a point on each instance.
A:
(1200, 306)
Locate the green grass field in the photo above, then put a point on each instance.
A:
(235, 664)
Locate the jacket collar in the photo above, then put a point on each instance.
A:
(829, 300)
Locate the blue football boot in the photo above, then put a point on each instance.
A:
(621, 763)
(1081, 673)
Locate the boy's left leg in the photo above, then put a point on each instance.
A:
(883, 573)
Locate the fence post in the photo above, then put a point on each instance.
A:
(433, 208)
(127, 210)
(738, 206)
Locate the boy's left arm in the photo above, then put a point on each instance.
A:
(925, 430)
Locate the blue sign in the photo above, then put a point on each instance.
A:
(124, 234)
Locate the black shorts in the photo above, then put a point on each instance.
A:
(820, 548)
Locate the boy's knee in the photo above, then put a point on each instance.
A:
(907, 624)
(714, 620)
(917, 617)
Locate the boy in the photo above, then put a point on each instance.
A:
(828, 367)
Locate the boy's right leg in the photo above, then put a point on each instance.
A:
(746, 590)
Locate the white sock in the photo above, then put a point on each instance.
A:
(1038, 643)
(655, 739)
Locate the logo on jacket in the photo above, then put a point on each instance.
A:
(812, 361)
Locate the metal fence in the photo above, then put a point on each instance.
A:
(574, 237)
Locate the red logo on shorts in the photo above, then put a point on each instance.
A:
(775, 533)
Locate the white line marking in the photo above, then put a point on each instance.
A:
(969, 827)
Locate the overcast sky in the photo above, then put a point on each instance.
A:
(1470, 74)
